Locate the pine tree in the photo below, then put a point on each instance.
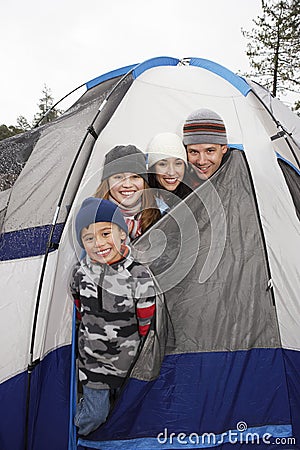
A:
(40, 118)
(23, 123)
(274, 46)
(46, 114)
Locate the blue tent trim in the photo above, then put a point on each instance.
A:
(265, 434)
(227, 74)
(109, 75)
(138, 69)
(154, 62)
(236, 146)
(288, 162)
(49, 405)
(188, 402)
(28, 242)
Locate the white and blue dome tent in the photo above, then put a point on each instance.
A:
(224, 359)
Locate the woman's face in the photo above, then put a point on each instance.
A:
(126, 188)
(169, 172)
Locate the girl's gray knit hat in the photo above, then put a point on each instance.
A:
(125, 158)
(204, 126)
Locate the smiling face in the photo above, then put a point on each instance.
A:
(206, 158)
(169, 172)
(102, 241)
(126, 188)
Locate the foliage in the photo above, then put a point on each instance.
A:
(46, 112)
(274, 46)
(23, 123)
(8, 131)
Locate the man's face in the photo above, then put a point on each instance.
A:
(102, 241)
(206, 158)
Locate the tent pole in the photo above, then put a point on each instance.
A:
(52, 245)
(55, 104)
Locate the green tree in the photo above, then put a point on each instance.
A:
(45, 108)
(23, 123)
(274, 46)
(8, 131)
(46, 111)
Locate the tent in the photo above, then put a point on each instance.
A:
(221, 368)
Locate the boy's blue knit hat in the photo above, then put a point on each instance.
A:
(94, 210)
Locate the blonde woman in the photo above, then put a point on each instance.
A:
(125, 182)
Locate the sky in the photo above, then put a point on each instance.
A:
(65, 43)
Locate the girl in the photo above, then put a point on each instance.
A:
(167, 168)
(125, 182)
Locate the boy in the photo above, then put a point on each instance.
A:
(117, 302)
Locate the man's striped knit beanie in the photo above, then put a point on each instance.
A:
(204, 127)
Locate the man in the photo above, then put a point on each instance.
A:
(205, 139)
(204, 135)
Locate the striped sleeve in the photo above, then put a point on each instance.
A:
(145, 315)
(145, 296)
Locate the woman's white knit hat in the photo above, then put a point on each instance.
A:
(165, 145)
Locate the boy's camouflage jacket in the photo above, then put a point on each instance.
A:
(116, 304)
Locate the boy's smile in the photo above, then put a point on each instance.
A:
(102, 241)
